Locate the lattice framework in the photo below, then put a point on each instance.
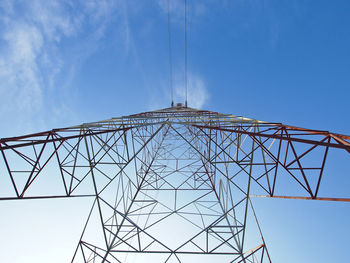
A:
(172, 185)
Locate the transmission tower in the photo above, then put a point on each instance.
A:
(172, 185)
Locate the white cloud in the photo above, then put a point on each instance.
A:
(197, 93)
(31, 33)
(197, 96)
(36, 72)
(18, 67)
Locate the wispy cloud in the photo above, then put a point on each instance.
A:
(197, 92)
(18, 67)
(31, 34)
(43, 45)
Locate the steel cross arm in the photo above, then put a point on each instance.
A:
(287, 137)
(278, 162)
(5, 146)
(297, 158)
(340, 145)
(178, 252)
(305, 198)
(42, 197)
(335, 135)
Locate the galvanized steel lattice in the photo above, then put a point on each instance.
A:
(172, 185)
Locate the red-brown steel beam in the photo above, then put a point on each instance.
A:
(313, 142)
(305, 198)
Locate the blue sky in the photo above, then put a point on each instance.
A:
(67, 62)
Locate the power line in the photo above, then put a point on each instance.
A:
(186, 80)
(170, 57)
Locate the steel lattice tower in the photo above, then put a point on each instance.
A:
(171, 185)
